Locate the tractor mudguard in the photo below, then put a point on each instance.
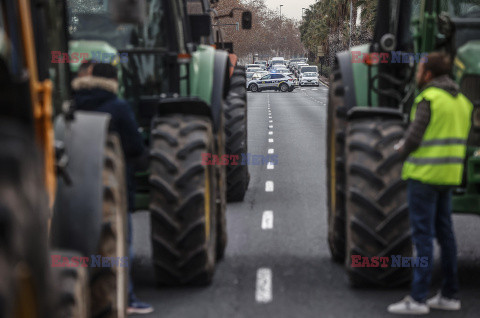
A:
(344, 60)
(181, 105)
(221, 86)
(77, 219)
(370, 112)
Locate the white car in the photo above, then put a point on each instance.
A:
(309, 78)
(258, 75)
(254, 69)
(274, 81)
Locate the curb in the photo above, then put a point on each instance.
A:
(324, 82)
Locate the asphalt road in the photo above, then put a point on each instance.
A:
(277, 263)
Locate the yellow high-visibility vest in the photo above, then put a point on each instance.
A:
(440, 158)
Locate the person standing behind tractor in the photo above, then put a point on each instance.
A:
(435, 147)
(95, 89)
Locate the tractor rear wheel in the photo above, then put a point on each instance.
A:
(71, 288)
(238, 83)
(236, 145)
(336, 126)
(24, 213)
(221, 191)
(183, 200)
(108, 285)
(377, 209)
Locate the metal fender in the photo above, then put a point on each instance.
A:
(77, 217)
(344, 60)
(221, 85)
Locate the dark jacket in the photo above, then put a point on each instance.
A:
(417, 128)
(100, 95)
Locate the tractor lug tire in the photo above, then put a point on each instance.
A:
(108, 285)
(335, 142)
(377, 211)
(183, 201)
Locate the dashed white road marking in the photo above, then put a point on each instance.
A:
(270, 133)
(263, 292)
(270, 166)
(270, 140)
(271, 151)
(269, 186)
(271, 126)
(270, 121)
(267, 220)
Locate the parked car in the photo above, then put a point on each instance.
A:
(263, 64)
(288, 73)
(309, 69)
(309, 78)
(252, 66)
(278, 82)
(254, 69)
(298, 68)
(258, 75)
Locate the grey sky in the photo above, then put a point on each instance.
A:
(291, 8)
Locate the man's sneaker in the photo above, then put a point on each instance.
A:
(440, 302)
(409, 306)
(137, 307)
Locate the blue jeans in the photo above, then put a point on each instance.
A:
(431, 216)
(130, 257)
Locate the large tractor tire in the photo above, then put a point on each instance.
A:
(238, 82)
(377, 209)
(221, 191)
(71, 288)
(336, 126)
(108, 285)
(236, 136)
(183, 200)
(24, 212)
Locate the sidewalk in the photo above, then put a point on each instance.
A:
(324, 80)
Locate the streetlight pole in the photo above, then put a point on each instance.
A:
(281, 11)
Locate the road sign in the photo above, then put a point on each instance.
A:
(320, 51)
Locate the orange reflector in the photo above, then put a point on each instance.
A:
(183, 58)
(367, 59)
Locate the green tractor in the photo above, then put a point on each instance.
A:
(368, 109)
(235, 106)
(177, 88)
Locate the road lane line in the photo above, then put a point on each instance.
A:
(271, 126)
(267, 220)
(269, 186)
(270, 121)
(263, 292)
(270, 140)
(270, 133)
(271, 151)
(270, 166)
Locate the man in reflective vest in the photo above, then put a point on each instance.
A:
(434, 147)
